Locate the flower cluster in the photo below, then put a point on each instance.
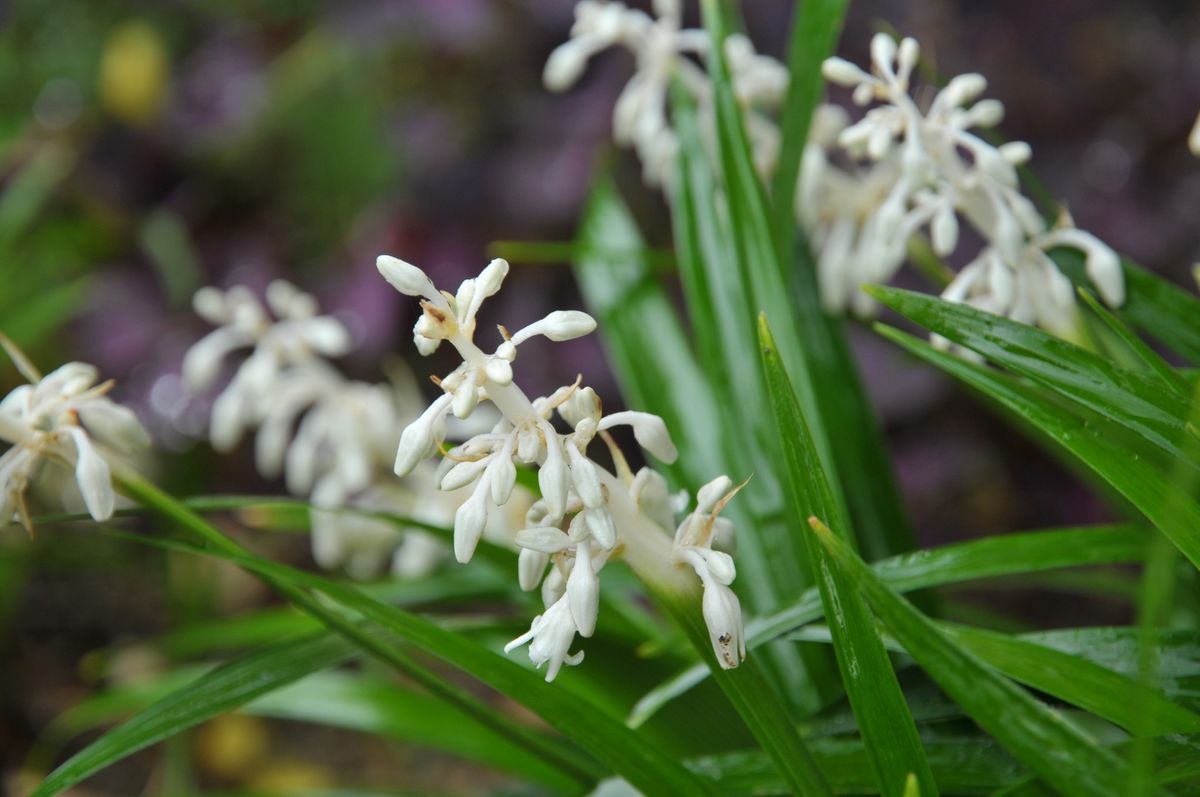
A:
(330, 437)
(62, 418)
(943, 170)
(665, 51)
(866, 189)
(586, 514)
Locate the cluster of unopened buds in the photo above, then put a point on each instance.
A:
(330, 437)
(666, 52)
(937, 170)
(586, 514)
(869, 189)
(62, 420)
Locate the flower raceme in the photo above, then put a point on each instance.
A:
(666, 51)
(329, 437)
(62, 418)
(938, 169)
(586, 515)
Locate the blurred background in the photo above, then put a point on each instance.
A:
(150, 148)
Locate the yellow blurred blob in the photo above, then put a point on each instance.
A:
(133, 73)
(230, 745)
(283, 776)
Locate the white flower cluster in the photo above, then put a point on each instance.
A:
(866, 189)
(665, 51)
(62, 418)
(330, 437)
(586, 514)
(926, 169)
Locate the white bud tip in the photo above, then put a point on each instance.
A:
(404, 276)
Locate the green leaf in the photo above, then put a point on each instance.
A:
(1132, 398)
(1150, 360)
(221, 690)
(1161, 309)
(1011, 554)
(1058, 751)
(961, 766)
(578, 717)
(1097, 442)
(816, 25)
(883, 717)
(1073, 679)
(643, 337)
(387, 710)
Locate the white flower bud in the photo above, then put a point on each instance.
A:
(552, 476)
(583, 591)
(469, 522)
(93, 476)
(547, 539)
(649, 430)
(405, 277)
(721, 567)
(1017, 153)
(564, 66)
(708, 495)
(462, 474)
(529, 444)
(962, 89)
(908, 55)
(599, 524)
(1194, 138)
(558, 326)
(502, 477)
(209, 304)
(723, 616)
(418, 437)
(531, 565)
(883, 51)
(945, 230)
(554, 586)
(583, 477)
(466, 396)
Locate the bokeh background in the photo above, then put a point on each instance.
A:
(150, 148)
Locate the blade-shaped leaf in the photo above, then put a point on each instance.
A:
(883, 717)
(1010, 554)
(1058, 751)
(1097, 442)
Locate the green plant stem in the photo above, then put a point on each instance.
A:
(150, 496)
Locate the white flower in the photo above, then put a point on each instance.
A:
(926, 168)
(694, 541)
(62, 418)
(586, 515)
(331, 439)
(550, 637)
(1194, 138)
(666, 51)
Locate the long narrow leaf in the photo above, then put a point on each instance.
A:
(884, 721)
(1059, 752)
(1011, 554)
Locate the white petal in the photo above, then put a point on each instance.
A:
(584, 478)
(405, 277)
(552, 476)
(546, 539)
(469, 522)
(418, 437)
(93, 476)
(649, 430)
(583, 591)
(531, 565)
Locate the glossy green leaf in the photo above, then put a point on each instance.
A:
(1098, 442)
(884, 720)
(578, 717)
(1058, 751)
(1132, 398)
(643, 337)
(1160, 308)
(1150, 360)
(1011, 554)
(221, 690)
(1073, 679)
(816, 25)
(388, 710)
